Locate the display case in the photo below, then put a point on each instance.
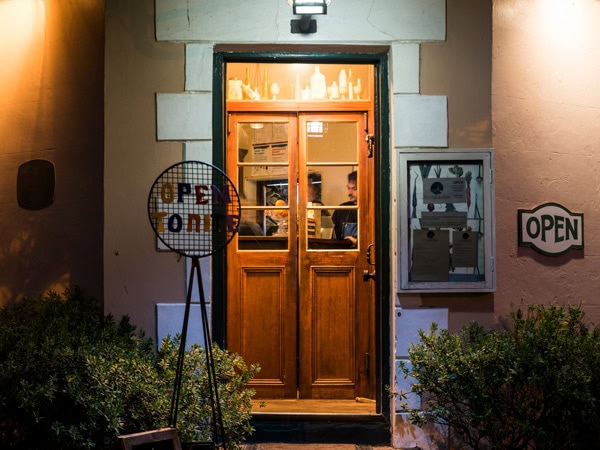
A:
(298, 86)
(446, 221)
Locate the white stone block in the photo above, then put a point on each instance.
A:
(169, 321)
(410, 321)
(415, 20)
(218, 20)
(405, 68)
(420, 121)
(260, 21)
(198, 151)
(183, 116)
(198, 67)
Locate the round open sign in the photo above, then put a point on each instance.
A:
(194, 208)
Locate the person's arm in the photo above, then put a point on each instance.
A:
(352, 239)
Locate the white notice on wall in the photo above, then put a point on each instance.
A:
(444, 190)
(431, 257)
(443, 219)
(464, 248)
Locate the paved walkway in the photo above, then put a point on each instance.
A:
(275, 446)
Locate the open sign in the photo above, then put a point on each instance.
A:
(201, 195)
(194, 208)
(550, 229)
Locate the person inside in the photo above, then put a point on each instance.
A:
(314, 189)
(345, 221)
(248, 225)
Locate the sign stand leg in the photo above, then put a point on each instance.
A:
(217, 416)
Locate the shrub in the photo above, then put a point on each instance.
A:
(195, 412)
(72, 378)
(533, 385)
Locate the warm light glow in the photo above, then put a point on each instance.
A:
(22, 30)
(550, 53)
(562, 20)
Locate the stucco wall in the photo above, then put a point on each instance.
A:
(136, 276)
(460, 67)
(51, 91)
(546, 122)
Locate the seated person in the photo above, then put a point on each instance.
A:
(248, 224)
(314, 191)
(250, 228)
(345, 221)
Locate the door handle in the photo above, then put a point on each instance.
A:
(366, 274)
(370, 140)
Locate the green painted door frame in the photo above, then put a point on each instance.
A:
(370, 429)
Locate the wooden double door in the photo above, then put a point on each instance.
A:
(298, 302)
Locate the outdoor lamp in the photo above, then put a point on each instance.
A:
(302, 7)
(306, 8)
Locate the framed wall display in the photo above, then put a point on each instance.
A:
(446, 220)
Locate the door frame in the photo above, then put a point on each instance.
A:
(379, 57)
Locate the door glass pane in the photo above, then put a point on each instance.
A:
(331, 142)
(263, 142)
(263, 164)
(332, 208)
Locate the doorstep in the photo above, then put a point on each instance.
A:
(276, 446)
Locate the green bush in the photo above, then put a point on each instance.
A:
(232, 374)
(72, 378)
(533, 385)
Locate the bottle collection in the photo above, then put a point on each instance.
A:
(315, 87)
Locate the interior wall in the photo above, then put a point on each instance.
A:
(546, 122)
(51, 100)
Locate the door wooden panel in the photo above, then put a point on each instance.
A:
(335, 304)
(332, 329)
(296, 301)
(263, 291)
(262, 270)
(262, 324)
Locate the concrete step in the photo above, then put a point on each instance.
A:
(276, 446)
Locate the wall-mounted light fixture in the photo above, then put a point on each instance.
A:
(306, 8)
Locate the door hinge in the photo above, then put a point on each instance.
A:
(370, 139)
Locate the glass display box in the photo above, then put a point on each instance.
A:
(283, 84)
(446, 221)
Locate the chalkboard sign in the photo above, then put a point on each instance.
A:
(162, 439)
